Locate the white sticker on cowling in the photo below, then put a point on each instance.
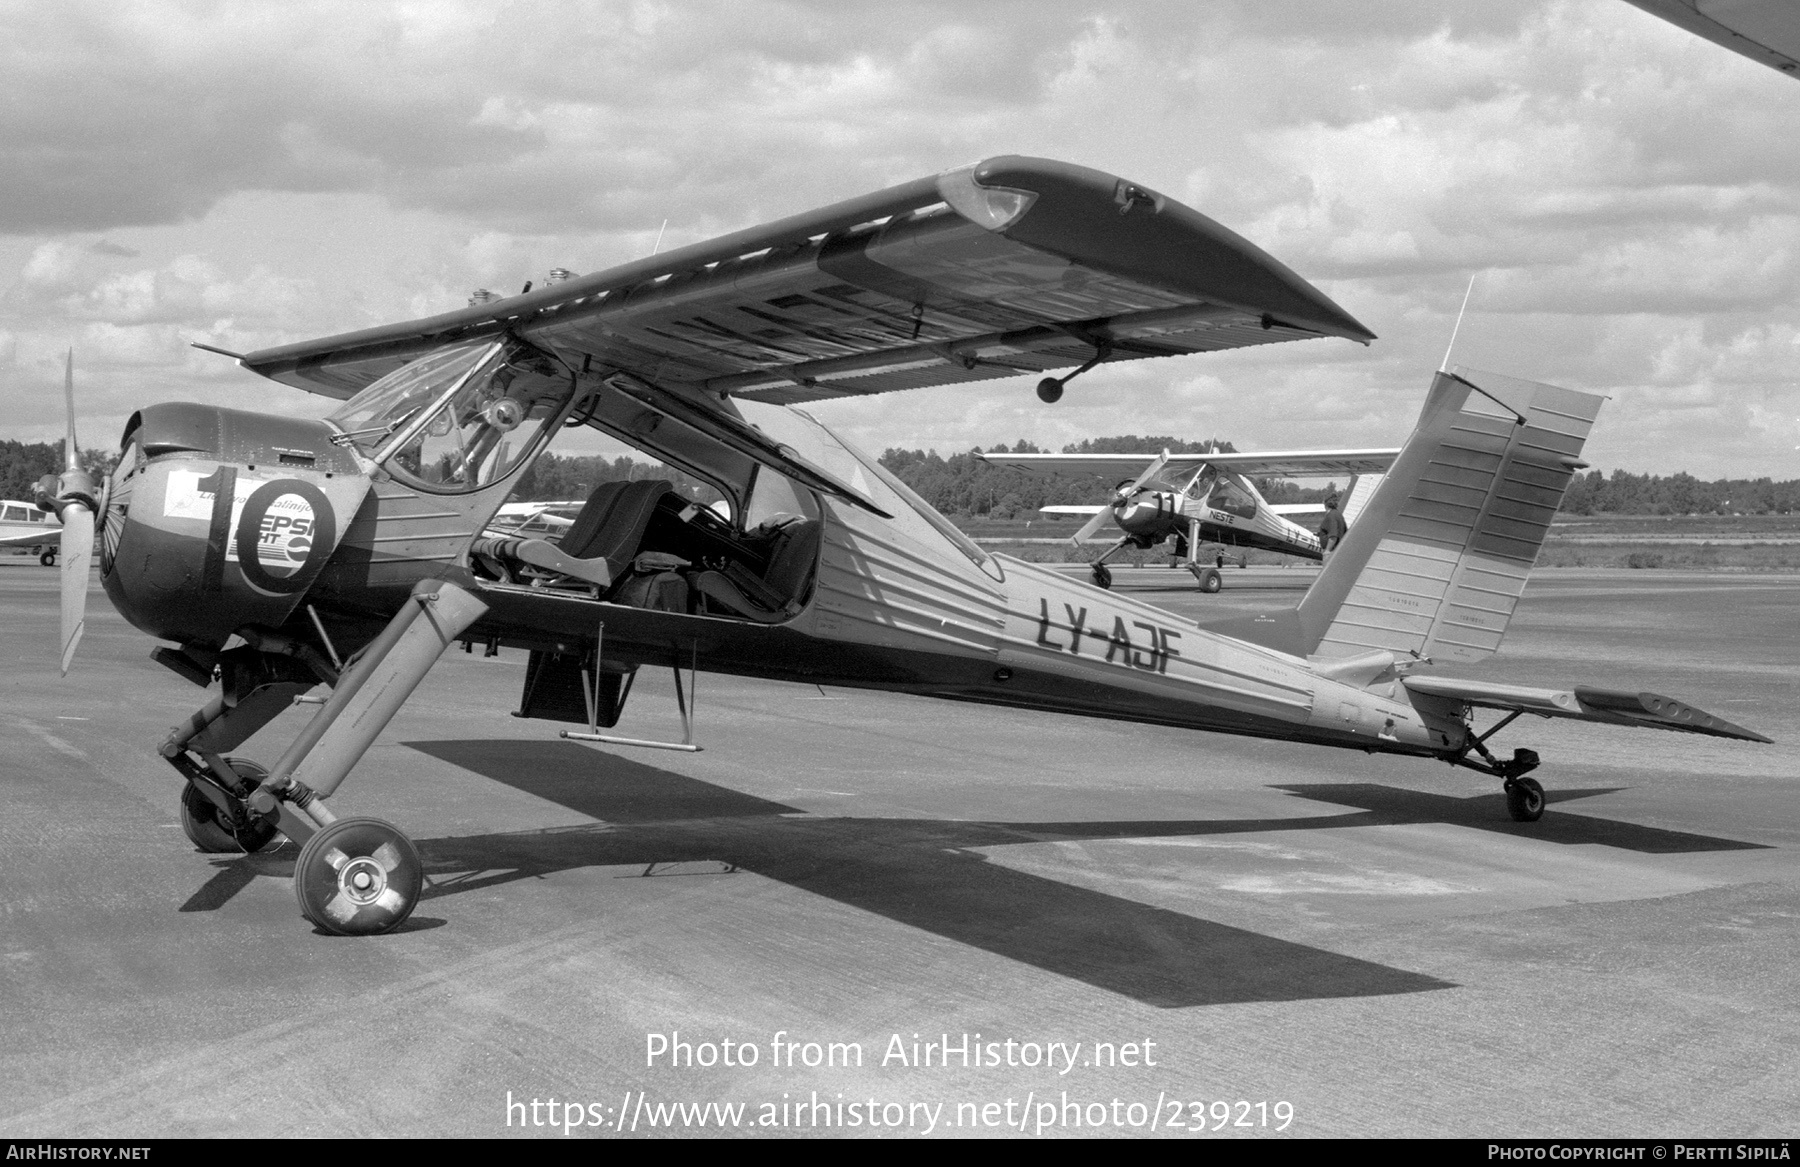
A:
(285, 537)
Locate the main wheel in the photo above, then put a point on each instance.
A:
(1102, 576)
(211, 831)
(47, 558)
(358, 877)
(1525, 800)
(1209, 579)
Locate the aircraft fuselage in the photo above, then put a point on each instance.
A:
(1153, 516)
(221, 521)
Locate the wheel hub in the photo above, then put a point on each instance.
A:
(362, 881)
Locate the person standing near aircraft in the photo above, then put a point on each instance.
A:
(1332, 529)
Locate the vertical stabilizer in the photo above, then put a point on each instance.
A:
(1362, 489)
(1438, 558)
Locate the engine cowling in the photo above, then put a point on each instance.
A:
(220, 518)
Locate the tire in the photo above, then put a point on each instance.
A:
(1525, 800)
(1209, 579)
(358, 877)
(205, 829)
(1102, 576)
(47, 558)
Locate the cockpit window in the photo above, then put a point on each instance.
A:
(1232, 498)
(371, 417)
(460, 418)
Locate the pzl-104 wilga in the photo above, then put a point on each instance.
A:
(1192, 500)
(277, 554)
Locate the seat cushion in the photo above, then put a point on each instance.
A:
(620, 516)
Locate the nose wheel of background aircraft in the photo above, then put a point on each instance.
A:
(358, 877)
(1524, 799)
(1102, 575)
(211, 830)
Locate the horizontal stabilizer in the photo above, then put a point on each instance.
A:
(1583, 703)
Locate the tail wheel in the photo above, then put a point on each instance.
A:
(1525, 800)
(211, 830)
(358, 877)
(1102, 576)
(1209, 579)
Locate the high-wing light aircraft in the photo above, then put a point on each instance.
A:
(1205, 499)
(283, 554)
(24, 524)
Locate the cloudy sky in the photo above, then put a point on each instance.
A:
(250, 174)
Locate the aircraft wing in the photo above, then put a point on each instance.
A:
(1010, 266)
(1767, 31)
(1288, 464)
(47, 537)
(1583, 703)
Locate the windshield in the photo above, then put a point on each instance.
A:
(375, 413)
(1232, 498)
(460, 418)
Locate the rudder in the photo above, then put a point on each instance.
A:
(1439, 558)
(1437, 561)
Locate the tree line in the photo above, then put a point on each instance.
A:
(965, 486)
(23, 463)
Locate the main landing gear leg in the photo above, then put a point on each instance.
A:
(1101, 574)
(361, 876)
(1524, 797)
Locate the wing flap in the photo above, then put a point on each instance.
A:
(1584, 703)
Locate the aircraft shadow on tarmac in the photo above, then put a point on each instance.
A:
(920, 872)
(1391, 806)
(929, 874)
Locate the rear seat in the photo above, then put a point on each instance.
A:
(782, 591)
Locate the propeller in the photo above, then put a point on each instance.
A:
(73, 496)
(1125, 492)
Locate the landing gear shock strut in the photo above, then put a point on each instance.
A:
(355, 876)
(1524, 796)
(360, 877)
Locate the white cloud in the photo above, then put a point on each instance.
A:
(250, 175)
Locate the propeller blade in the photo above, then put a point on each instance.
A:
(71, 456)
(75, 504)
(77, 552)
(1088, 528)
(1150, 471)
(1099, 520)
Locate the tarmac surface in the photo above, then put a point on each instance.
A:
(1366, 946)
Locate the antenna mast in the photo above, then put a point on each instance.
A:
(1445, 367)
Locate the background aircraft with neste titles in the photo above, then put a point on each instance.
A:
(278, 555)
(1198, 500)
